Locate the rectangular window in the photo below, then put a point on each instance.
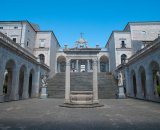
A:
(27, 43)
(123, 45)
(14, 39)
(42, 43)
(1, 27)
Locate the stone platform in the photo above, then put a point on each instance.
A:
(81, 105)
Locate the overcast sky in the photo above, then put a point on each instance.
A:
(68, 18)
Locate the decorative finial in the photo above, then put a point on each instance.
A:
(81, 34)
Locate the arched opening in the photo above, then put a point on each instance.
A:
(42, 58)
(155, 72)
(21, 80)
(61, 64)
(31, 81)
(134, 83)
(142, 75)
(8, 78)
(104, 64)
(123, 58)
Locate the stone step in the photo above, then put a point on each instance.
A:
(82, 81)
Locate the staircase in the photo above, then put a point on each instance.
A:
(56, 86)
(82, 82)
(107, 86)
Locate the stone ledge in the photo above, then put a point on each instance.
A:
(81, 106)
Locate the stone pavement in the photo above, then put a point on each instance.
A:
(45, 114)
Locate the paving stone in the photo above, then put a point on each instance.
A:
(45, 114)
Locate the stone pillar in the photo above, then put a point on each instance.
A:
(67, 82)
(128, 85)
(99, 66)
(36, 83)
(2, 78)
(88, 66)
(77, 66)
(25, 94)
(138, 84)
(15, 84)
(149, 84)
(95, 82)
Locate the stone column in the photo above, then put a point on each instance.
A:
(149, 84)
(77, 66)
(128, 85)
(26, 85)
(15, 84)
(88, 66)
(138, 84)
(95, 82)
(99, 66)
(36, 83)
(67, 82)
(2, 78)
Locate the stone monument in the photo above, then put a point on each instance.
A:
(121, 86)
(43, 93)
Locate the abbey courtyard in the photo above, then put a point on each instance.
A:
(44, 85)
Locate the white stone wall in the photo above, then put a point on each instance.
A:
(46, 50)
(145, 32)
(112, 56)
(49, 50)
(23, 33)
(53, 50)
(8, 30)
(118, 38)
(30, 36)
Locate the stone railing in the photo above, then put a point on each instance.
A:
(16, 45)
(149, 46)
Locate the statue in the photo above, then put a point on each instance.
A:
(43, 93)
(44, 80)
(120, 79)
(121, 93)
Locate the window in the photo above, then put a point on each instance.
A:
(42, 58)
(15, 27)
(1, 27)
(123, 58)
(123, 45)
(143, 32)
(27, 43)
(42, 43)
(14, 39)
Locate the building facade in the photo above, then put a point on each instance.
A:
(28, 52)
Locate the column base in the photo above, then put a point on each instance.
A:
(26, 96)
(1, 98)
(14, 97)
(36, 95)
(67, 101)
(95, 101)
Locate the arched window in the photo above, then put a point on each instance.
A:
(123, 58)
(42, 58)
